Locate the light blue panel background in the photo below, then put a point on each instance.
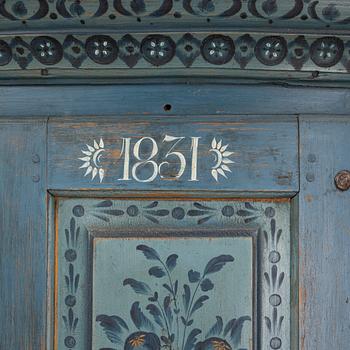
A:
(117, 259)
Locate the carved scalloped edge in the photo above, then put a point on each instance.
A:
(302, 13)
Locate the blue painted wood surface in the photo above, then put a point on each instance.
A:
(234, 154)
(324, 239)
(135, 100)
(323, 234)
(23, 243)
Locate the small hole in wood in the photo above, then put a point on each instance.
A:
(167, 107)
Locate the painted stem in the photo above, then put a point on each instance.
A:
(189, 311)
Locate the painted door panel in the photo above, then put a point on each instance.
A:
(180, 274)
(57, 224)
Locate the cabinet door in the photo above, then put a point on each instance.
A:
(190, 232)
(166, 257)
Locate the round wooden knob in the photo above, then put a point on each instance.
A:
(342, 180)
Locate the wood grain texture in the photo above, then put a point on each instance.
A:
(23, 243)
(149, 99)
(324, 236)
(265, 154)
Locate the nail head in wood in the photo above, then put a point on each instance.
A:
(342, 180)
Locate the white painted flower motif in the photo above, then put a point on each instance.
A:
(92, 160)
(222, 159)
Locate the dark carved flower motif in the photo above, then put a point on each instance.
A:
(47, 50)
(74, 51)
(327, 52)
(158, 49)
(218, 49)
(129, 50)
(188, 49)
(5, 53)
(76, 8)
(346, 56)
(244, 50)
(298, 52)
(143, 8)
(21, 52)
(16, 9)
(269, 7)
(330, 13)
(102, 49)
(271, 50)
(212, 7)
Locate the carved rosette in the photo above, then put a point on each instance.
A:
(177, 50)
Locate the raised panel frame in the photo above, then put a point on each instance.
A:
(88, 219)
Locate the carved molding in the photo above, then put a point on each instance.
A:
(302, 13)
(72, 38)
(186, 51)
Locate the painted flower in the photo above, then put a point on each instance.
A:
(271, 50)
(142, 341)
(158, 49)
(327, 51)
(218, 49)
(213, 344)
(47, 50)
(102, 49)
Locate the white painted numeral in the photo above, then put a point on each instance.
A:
(194, 148)
(143, 162)
(170, 153)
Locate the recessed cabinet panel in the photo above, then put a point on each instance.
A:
(171, 292)
(176, 275)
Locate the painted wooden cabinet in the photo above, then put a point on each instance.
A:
(174, 175)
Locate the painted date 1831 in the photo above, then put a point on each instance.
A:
(144, 154)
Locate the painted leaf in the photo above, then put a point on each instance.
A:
(192, 339)
(229, 326)
(207, 285)
(137, 286)
(141, 322)
(186, 296)
(167, 287)
(236, 329)
(193, 276)
(176, 285)
(156, 313)
(112, 326)
(148, 252)
(216, 329)
(167, 309)
(199, 303)
(217, 263)
(156, 271)
(171, 261)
